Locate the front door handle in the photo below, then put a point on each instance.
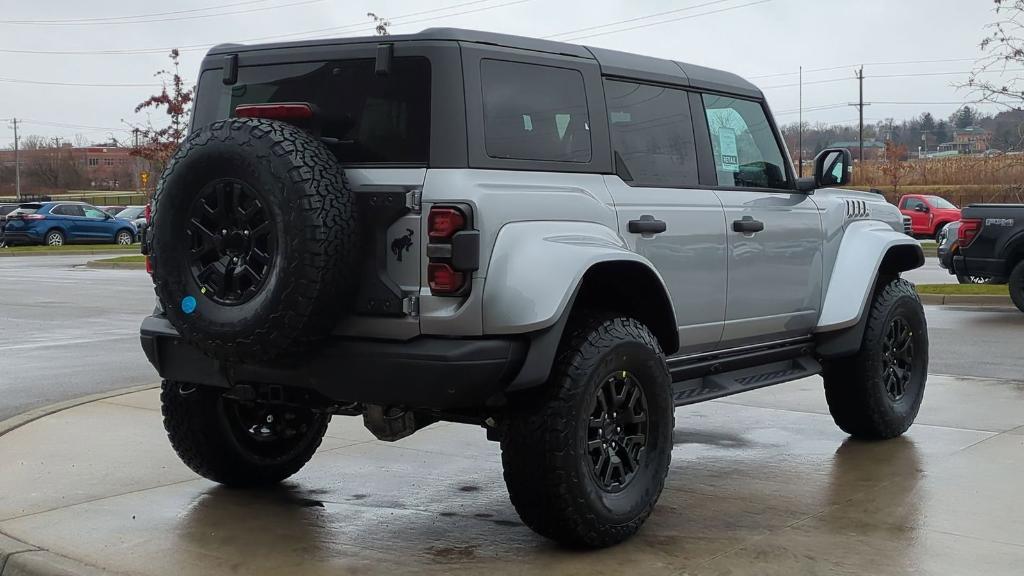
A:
(747, 225)
(647, 225)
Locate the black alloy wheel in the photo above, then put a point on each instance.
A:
(617, 432)
(898, 357)
(267, 430)
(232, 241)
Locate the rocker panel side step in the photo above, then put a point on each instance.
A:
(713, 386)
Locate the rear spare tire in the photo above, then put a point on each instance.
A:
(253, 239)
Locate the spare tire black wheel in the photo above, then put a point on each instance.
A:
(253, 240)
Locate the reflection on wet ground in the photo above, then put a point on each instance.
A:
(762, 483)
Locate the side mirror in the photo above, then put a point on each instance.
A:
(920, 208)
(832, 167)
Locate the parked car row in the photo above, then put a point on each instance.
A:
(63, 222)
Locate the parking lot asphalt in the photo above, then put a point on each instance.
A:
(761, 483)
(67, 331)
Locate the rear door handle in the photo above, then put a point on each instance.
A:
(747, 225)
(647, 224)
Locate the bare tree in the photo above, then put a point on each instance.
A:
(1002, 48)
(893, 165)
(381, 25)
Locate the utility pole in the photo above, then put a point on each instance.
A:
(56, 141)
(860, 107)
(17, 162)
(800, 137)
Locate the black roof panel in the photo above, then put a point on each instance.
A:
(612, 62)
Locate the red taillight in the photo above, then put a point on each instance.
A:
(148, 212)
(285, 112)
(149, 265)
(969, 229)
(444, 222)
(443, 279)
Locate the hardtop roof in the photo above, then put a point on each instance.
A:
(612, 62)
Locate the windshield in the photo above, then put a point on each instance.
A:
(940, 202)
(130, 213)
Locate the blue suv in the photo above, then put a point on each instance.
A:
(59, 223)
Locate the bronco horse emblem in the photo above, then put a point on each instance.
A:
(402, 244)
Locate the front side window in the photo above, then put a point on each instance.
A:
(91, 212)
(651, 134)
(747, 155)
(913, 203)
(534, 112)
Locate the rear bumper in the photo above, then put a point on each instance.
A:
(986, 267)
(21, 237)
(426, 372)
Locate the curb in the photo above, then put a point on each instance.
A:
(20, 420)
(966, 300)
(5, 254)
(19, 558)
(101, 264)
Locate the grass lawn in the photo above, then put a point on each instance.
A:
(993, 289)
(134, 259)
(67, 248)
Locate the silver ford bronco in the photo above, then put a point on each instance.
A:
(558, 243)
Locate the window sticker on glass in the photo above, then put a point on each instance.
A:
(527, 123)
(727, 144)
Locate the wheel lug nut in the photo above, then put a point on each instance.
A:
(246, 232)
(270, 418)
(224, 232)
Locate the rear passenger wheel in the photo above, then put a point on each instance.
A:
(238, 443)
(54, 238)
(585, 462)
(1016, 282)
(877, 393)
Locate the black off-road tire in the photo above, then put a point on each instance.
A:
(855, 387)
(209, 441)
(310, 239)
(1016, 282)
(548, 469)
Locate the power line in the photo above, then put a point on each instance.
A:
(667, 21)
(78, 84)
(636, 19)
(151, 14)
(905, 75)
(197, 47)
(174, 19)
(890, 63)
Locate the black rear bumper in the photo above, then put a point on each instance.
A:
(986, 267)
(426, 372)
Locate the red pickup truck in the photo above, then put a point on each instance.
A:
(928, 214)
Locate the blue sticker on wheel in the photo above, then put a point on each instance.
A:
(188, 304)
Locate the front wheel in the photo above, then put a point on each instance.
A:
(585, 461)
(124, 238)
(236, 443)
(877, 393)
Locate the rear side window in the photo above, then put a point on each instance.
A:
(534, 112)
(67, 210)
(364, 117)
(651, 135)
(27, 209)
(747, 155)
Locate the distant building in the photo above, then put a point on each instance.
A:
(970, 140)
(873, 149)
(90, 167)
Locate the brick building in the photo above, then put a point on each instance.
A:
(67, 167)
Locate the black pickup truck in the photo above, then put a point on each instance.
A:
(991, 240)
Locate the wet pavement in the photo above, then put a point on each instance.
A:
(761, 483)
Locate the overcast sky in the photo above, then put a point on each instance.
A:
(763, 40)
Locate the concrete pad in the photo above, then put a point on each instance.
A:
(951, 401)
(752, 490)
